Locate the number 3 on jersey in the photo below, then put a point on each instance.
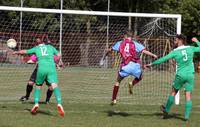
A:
(184, 53)
(44, 51)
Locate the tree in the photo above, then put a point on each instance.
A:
(190, 11)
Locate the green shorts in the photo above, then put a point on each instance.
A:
(44, 74)
(186, 81)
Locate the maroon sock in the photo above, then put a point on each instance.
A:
(135, 81)
(115, 91)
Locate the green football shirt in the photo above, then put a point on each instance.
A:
(183, 56)
(45, 55)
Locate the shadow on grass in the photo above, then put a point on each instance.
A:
(171, 116)
(111, 113)
(41, 112)
(116, 113)
(31, 102)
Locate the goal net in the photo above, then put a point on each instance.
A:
(82, 37)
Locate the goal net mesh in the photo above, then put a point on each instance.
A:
(84, 41)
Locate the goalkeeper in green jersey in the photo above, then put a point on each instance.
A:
(46, 71)
(183, 55)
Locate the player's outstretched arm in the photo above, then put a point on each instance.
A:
(150, 54)
(194, 39)
(20, 52)
(163, 59)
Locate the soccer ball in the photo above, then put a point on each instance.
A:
(11, 43)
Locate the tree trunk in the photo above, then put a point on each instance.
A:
(85, 46)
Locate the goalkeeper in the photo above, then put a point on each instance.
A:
(183, 55)
(46, 71)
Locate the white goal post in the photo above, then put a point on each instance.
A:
(98, 13)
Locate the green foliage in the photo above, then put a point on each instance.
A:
(190, 11)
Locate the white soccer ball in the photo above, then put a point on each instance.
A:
(11, 43)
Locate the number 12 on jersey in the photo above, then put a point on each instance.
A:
(44, 51)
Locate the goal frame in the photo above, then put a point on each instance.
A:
(99, 13)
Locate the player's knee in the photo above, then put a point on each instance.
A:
(38, 87)
(50, 88)
(117, 83)
(54, 85)
(187, 95)
(119, 78)
(31, 83)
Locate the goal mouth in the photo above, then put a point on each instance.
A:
(82, 37)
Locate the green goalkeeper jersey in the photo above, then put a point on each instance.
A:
(183, 56)
(45, 55)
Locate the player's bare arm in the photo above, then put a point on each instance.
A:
(149, 53)
(20, 52)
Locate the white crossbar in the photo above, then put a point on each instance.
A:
(83, 12)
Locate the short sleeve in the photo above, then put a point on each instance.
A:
(31, 51)
(139, 47)
(116, 46)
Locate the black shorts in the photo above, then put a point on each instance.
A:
(34, 75)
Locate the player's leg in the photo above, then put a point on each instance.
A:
(177, 85)
(52, 78)
(135, 70)
(49, 92)
(36, 98)
(188, 104)
(134, 82)
(57, 94)
(40, 78)
(170, 100)
(120, 77)
(29, 86)
(188, 101)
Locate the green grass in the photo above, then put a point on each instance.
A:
(86, 94)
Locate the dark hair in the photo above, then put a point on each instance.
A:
(181, 37)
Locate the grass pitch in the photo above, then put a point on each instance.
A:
(86, 94)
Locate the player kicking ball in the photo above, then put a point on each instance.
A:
(46, 71)
(130, 65)
(183, 55)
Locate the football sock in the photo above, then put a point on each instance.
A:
(29, 89)
(49, 94)
(135, 81)
(57, 94)
(170, 102)
(115, 91)
(37, 95)
(188, 107)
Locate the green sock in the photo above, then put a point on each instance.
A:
(57, 94)
(170, 102)
(37, 95)
(188, 107)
